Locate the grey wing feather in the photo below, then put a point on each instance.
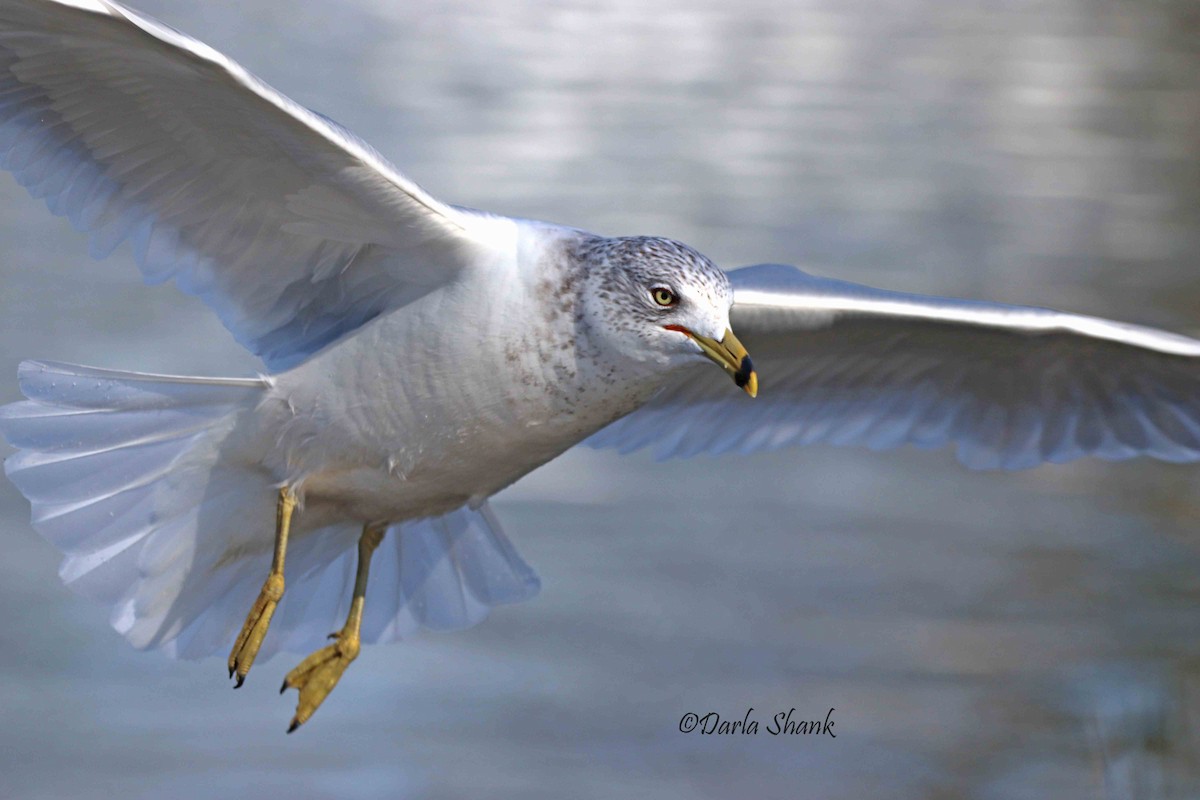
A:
(291, 228)
(849, 365)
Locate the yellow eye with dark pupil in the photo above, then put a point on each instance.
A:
(664, 297)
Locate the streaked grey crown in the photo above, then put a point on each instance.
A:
(629, 265)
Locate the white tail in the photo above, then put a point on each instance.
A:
(128, 475)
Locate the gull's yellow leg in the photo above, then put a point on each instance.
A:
(316, 675)
(254, 630)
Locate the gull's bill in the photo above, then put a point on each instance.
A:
(729, 354)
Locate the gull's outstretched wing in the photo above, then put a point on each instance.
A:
(1011, 386)
(294, 230)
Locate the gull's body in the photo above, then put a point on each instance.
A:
(420, 357)
(431, 436)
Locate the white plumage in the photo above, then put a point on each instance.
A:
(425, 356)
(126, 477)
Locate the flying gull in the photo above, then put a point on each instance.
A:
(421, 357)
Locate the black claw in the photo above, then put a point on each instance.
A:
(283, 688)
(240, 680)
(231, 669)
(295, 724)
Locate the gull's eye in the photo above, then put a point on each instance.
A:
(663, 296)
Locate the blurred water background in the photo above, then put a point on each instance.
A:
(980, 635)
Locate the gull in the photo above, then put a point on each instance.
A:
(420, 356)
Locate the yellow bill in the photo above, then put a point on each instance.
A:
(729, 354)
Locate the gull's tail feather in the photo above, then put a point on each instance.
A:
(441, 573)
(128, 477)
(142, 482)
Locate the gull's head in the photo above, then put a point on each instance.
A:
(662, 304)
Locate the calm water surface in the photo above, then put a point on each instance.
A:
(980, 635)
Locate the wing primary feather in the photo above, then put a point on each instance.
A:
(133, 130)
